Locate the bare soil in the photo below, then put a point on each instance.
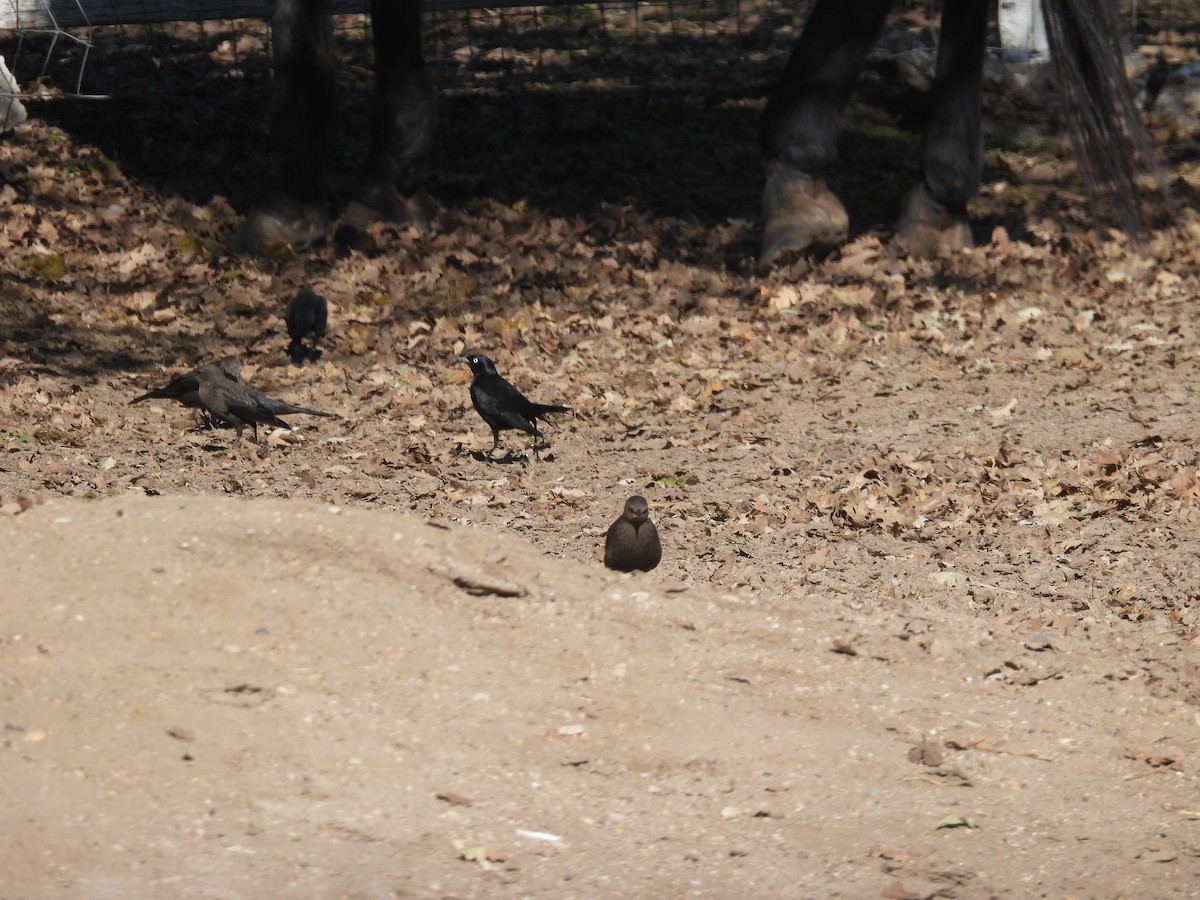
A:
(926, 621)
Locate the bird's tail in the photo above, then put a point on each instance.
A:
(542, 409)
(302, 409)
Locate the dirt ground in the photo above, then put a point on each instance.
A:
(926, 622)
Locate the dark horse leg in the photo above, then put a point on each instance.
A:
(800, 126)
(802, 118)
(293, 208)
(934, 216)
(403, 120)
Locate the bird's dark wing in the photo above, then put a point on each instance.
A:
(186, 388)
(297, 324)
(620, 546)
(247, 406)
(279, 408)
(320, 318)
(500, 404)
(649, 545)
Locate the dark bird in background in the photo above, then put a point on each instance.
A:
(239, 406)
(501, 405)
(186, 388)
(632, 541)
(307, 315)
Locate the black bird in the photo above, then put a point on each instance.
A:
(186, 388)
(307, 314)
(632, 541)
(501, 405)
(239, 406)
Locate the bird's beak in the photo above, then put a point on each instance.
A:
(460, 359)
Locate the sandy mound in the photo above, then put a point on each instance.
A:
(206, 697)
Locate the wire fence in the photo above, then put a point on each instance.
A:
(57, 48)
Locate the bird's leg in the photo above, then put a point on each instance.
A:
(237, 440)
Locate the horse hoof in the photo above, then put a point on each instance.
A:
(383, 204)
(928, 229)
(799, 213)
(280, 228)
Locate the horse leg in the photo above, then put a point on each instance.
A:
(302, 122)
(933, 219)
(403, 119)
(800, 126)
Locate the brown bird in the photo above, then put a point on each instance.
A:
(186, 388)
(307, 314)
(239, 406)
(632, 541)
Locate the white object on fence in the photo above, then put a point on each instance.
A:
(1023, 28)
(12, 110)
